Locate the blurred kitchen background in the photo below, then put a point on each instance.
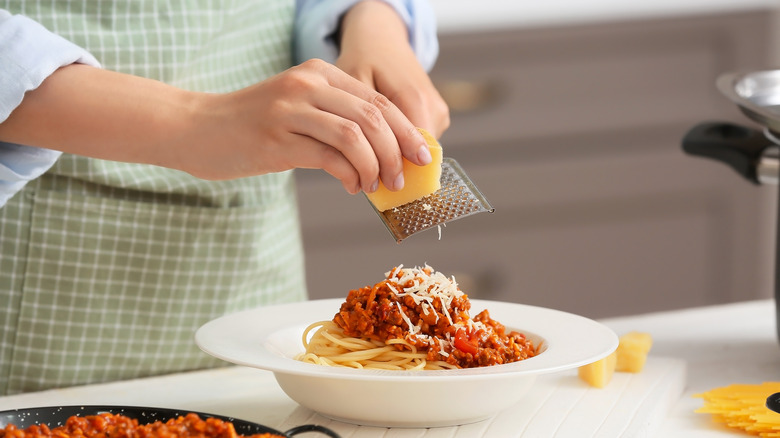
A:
(569, 116)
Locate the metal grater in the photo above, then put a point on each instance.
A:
(458, 197)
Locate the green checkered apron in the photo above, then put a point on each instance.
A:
(107, 269)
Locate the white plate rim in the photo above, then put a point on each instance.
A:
(242, 338)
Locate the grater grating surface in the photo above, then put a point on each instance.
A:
(457, 198)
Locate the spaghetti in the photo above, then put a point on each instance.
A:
(415, 319)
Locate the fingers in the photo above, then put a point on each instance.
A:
(411, 91)
(414, 94)
(336, 127)
(314, 154)
(425, 108)
(366, 123)
(407, 136)
(366, 136)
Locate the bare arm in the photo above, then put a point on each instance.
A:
(375, 49)
(311, 116)
(102, 114)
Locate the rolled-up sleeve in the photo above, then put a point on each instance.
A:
(316, 22)
(29, 53)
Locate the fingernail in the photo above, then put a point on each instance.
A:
(398, 184)
(373, 187)
(424, 155)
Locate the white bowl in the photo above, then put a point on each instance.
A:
(270, 337)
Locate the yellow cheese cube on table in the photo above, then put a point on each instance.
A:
(630, 356)
(419, 181)
(599, 373)
(632, 351)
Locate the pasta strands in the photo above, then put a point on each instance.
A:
(330, 347)
(743, 407)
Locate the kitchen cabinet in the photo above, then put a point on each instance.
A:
(573, 133)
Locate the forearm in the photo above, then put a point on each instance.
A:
(102, 114)
(375, 48)
(317, 21)
(376, 21)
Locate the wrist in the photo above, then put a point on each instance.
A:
(186, 131)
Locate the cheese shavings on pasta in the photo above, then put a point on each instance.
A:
(426, 285)
(416, 318)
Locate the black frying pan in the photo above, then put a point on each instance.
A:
(54, 416)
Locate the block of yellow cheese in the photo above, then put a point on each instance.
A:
(630, 357)
(419, 181)
(599, 373)
(632, 351)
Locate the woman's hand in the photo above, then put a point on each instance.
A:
(375, 49)
(313, 116)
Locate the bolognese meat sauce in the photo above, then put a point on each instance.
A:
(428, 311)
(107, 425)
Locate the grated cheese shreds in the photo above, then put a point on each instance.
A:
(392, 288)
(476, 325)
(442, 351)
(425, 288)
(413, 329)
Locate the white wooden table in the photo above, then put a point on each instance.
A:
(694, 350)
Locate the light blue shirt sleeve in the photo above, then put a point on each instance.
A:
(316, 22)
(29, 53)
